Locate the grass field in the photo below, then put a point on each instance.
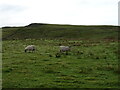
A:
(52, 31)
(91, 63)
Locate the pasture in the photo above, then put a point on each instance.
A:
(89, 64)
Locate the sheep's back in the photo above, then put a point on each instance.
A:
(30, 47)
(64, 48)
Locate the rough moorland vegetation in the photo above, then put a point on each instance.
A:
(92, 61)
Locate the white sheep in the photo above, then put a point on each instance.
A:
(64, 48)
(30, 48)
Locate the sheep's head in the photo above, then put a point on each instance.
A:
(25, 50)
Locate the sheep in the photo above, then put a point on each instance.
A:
(64, 49)
(30, 48)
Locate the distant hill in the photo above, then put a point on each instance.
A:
(55, 31)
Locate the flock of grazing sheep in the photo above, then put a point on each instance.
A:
(32, 48)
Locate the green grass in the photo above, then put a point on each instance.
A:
(90, 65)
(53, 31)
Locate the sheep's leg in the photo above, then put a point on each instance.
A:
(33, 50)
(66, 52)
(29, 51)
(25, 50)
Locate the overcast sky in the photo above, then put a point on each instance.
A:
(75, 12)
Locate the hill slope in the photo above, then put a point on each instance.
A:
(54, 31)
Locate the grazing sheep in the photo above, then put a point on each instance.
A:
(64, 48)
(30, 48)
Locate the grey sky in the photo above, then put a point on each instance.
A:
(76, 12)
(119, 13)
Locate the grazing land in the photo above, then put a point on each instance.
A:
(91, 63)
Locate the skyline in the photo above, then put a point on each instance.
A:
(73, 12)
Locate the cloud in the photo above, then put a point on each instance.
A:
(9, 14)
(85, 12)
(10, 8)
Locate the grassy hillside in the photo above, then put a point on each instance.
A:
(91, 63)
(52, 31)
